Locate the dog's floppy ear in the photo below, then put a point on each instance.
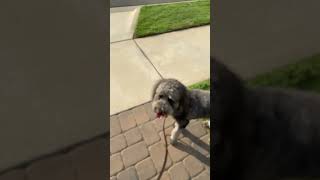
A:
(183, 101)
(155, 86)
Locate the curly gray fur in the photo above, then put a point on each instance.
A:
(171, 97)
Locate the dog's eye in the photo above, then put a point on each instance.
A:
(170, 101)
(160, 96)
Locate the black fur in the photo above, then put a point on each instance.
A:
(262, 133)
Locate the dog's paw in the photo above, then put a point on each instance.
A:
(173, 141)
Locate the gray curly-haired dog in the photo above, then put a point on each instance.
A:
(171, 97)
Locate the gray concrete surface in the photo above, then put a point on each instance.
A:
(123, 22)
(131, 76)
(254, 37)
(184, 55)
(52, 76)
(135, 65)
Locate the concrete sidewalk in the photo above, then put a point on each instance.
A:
(136, 64)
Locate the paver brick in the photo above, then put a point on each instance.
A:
(127, 120)
(146, 169)
(199, 149)
(207, 170)
(134, 141)
(133, 136)
(165, 176)
(197, 129)
(128, 174)
(186, 141)
(203, 176)
(149, 133)
(117, 143)
(141, 115)
(206, 139)
(17, 174)
(168, 134)
(176, 154)
(115, 128)
(205, 158)
(193, 165)
(134, 154)
(159, 123)
(149, 111)
(178, 172)
(117, 164)
(205, 150)
(193, 121)
(157, 152)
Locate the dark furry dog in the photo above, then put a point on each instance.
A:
(171, 97)
(262, 133)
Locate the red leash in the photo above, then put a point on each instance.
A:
(166, 153)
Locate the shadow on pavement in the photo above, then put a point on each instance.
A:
(193, 151)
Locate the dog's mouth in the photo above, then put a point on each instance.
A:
(161, 114)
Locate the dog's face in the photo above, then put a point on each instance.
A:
(167, 97)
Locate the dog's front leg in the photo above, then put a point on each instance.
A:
(175, 133)
(178, 126)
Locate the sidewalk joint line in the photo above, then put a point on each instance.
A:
(120, 41)
(144, 54)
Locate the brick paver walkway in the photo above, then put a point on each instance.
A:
(137, 148)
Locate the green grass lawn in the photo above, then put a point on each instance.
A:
(205, 85)
(157, 19)
(304, 75)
